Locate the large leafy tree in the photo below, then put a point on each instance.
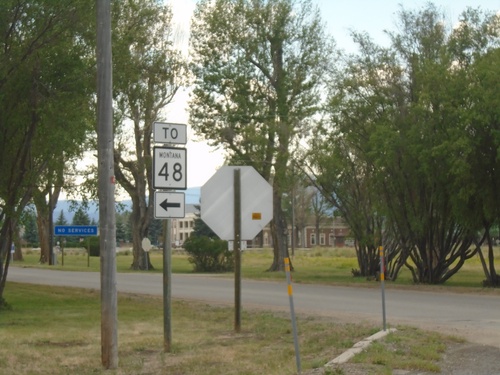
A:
(361, 98)
(148, 71)
(44, 81)
(259, 67)
(401, 121)
(475, 46)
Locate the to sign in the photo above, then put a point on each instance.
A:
(164, 132)
(169, 166)
(169, 205)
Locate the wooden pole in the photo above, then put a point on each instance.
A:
(237, 250)
(106, 188)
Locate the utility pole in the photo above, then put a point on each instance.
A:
(106, 188)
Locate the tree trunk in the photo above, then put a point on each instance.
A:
(491, 259)
(18, 253)
(42, 220)
(279, 235)
(5, 242)
(44, 211)
(140, 226)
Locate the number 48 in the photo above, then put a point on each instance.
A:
(177, 172)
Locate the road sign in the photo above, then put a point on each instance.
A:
(165, 132)
(75, 230)
(169, 166)
(146, 244)
(217, 202)
(169, 205)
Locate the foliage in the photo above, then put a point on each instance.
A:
(209, 254)
(413, 162)
(81, 217)
(94, 246)
(200, 228)
(45, 89)
(147, 73)
(61, 219)
(28, 221)
(259, 67)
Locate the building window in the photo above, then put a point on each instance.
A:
(322, 239)
(313, 239)
(180, 225)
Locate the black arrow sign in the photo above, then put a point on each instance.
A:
(165, 205)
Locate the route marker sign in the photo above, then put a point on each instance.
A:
(166, 132)
(169, 205)
(217, 202)
(169, 167)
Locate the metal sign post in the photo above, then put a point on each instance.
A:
(237, 250)
(292, 313)
(167, 287)
(169, 167)
(382, 283)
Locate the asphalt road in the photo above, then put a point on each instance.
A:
(473, 316)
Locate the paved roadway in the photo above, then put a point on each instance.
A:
(474, 316)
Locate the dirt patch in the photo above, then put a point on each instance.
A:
(459, 359)
(471, 359)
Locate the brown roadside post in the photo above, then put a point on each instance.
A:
(106, 188)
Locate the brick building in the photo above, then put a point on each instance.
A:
(334, 233)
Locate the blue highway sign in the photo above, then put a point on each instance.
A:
(75, 230)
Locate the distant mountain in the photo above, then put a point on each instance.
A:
(68, 207)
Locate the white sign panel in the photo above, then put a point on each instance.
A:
(169, 166)
(217, 202)
(169, 205)
(165, 132)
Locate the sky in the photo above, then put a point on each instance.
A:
(339, 16)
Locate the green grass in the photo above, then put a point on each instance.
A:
(411, 351)
(326, 266)
(54, 330)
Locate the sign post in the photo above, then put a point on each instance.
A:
(237, 250)
(169, 166)
(242, 194)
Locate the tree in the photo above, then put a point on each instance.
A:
(43, 92)
(206, 251)
(81, 217)
(401, 126)
(475, 46)
(30, 227)
(259, 67)
(123, 230)
(147, 74)
(61, 219)
(200, 228)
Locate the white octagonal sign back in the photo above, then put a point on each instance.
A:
(217, 202)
